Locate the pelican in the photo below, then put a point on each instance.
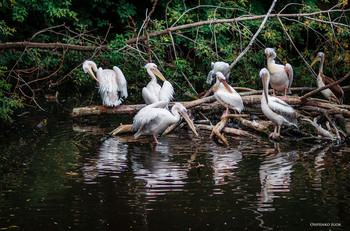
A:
(226, 95)
(153, 92)
(281, 75)
(154, 119)
(333, 94)
(111, 83)
(275, 109)
(218, 67)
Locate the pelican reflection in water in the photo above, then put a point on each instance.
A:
(111, 160)
(158, 170)
(225, 164)
(275, 176)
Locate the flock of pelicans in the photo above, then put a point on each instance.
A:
(155, 118)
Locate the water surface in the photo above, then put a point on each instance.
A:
(70, 176)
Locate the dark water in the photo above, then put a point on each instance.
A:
(68, 176)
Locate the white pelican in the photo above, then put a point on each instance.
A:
(333, 94)
(154, 119)
(218, 67)
(226, 95)
(111, 83)
(153, 92)
(281, 75)
(276, 110)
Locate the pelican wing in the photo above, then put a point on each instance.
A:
(223, 68)
(150, 93)
(218, 67)
(166, 92)
(227, 76)
(210, 76)
(148, 96)
(149, 114)
(233, 99)
(158, 104)
(336, 89)
(288, 68)
(108, 87)
(282, 108)
(122, 84)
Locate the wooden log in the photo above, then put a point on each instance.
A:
(217, 129)
(320, 130)
(103, 110)
(203, 104)
(222, 124)
(123, 128)
(129, 109)
(260, 126)
(230, 131)
(171, 128)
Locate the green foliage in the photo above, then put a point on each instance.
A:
(125, 10)
(8, 102)
(184, 57)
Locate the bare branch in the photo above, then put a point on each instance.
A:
(254, 37)
(232, 20)
(146, 33)
(295, 47)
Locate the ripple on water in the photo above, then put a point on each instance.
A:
(111, 161)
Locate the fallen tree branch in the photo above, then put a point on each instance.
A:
(103, 110)
(129, 109)
(320, 130)
(218, 128)
(202, 104)
(230, 131)
(123, 128)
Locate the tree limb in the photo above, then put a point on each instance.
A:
(22, 45)
(232, 20)
(253, 39)
(146, 33)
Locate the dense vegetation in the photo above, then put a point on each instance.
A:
(184, 56)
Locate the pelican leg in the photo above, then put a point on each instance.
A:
(225, 113)
(285, 95)
(276, 132)
(273, 90)
(155, 139)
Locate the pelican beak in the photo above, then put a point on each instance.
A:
(318, 58)
(264, 82)
(189, 121)
(226, 86)
(157, 73)
(90, 72)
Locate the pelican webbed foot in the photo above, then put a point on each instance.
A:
(274, 135)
